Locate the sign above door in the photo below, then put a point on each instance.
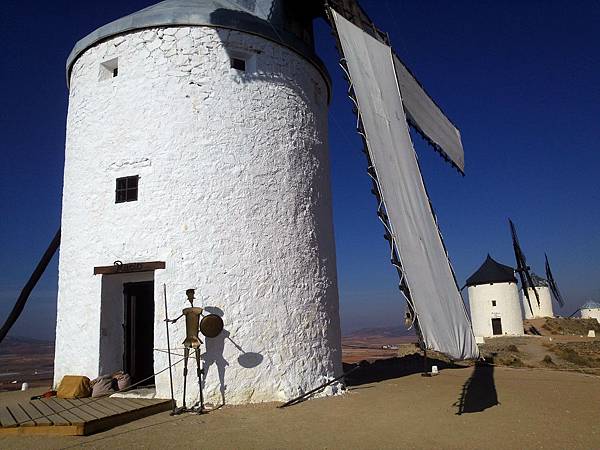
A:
(121, 267)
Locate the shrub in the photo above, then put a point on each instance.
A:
(570, 355)
(548, 360)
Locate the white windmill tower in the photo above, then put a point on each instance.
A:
(494, 300)
(196, 158)
(543, 308)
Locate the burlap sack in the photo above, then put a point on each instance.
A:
(74, 386)
(123, 380)
(102, 387)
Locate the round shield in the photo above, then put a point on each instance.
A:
(211, 325)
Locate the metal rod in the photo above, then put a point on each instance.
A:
(200, 372)
(169, 347)
(309, 393)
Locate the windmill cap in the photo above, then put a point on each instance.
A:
(491, 271)
(538, 281)
(282, 21)
(591, 305)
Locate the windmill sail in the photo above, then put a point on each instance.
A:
(428, 119)
(432, 290)
(523, 268)
(552, 284)
(422, 112)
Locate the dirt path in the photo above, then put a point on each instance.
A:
(517, 408)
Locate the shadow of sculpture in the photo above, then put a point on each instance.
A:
(387, 369)
(214, 354)
(479, 391)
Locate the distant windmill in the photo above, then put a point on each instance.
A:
(197, 158)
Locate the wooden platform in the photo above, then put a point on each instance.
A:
(78, 417)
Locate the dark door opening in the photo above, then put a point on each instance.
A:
(497, 326)
(138, 357)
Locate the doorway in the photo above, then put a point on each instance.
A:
(496, 326)
(138, 355)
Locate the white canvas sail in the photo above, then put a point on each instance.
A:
(437, 302)
(423, 114)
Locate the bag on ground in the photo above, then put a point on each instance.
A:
(102, 386)
(74, 386)
(123, 380)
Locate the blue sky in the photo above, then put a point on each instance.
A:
(520, 79)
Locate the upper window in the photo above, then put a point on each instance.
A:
(127, 189)
(238, 64)
(493, 302)
(241, 60)
(109, 69)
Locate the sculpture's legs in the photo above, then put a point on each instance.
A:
(199, 372)
(186, 354)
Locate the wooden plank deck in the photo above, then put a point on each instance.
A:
(75, 417)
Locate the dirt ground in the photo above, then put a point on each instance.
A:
(561, 326)
(473, 407)
(572, 353)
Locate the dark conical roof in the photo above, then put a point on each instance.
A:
(287, 22)
(492, 271)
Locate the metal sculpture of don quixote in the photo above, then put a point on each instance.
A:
(210, 326)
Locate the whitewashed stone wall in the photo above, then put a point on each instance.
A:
(508, 308)
(234, 195)
(544, 309)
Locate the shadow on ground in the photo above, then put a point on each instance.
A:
(387, 369)
(479, 391)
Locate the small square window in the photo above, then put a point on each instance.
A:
(127, 189)
(238, 64)
(109, 69)
(493, 302)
